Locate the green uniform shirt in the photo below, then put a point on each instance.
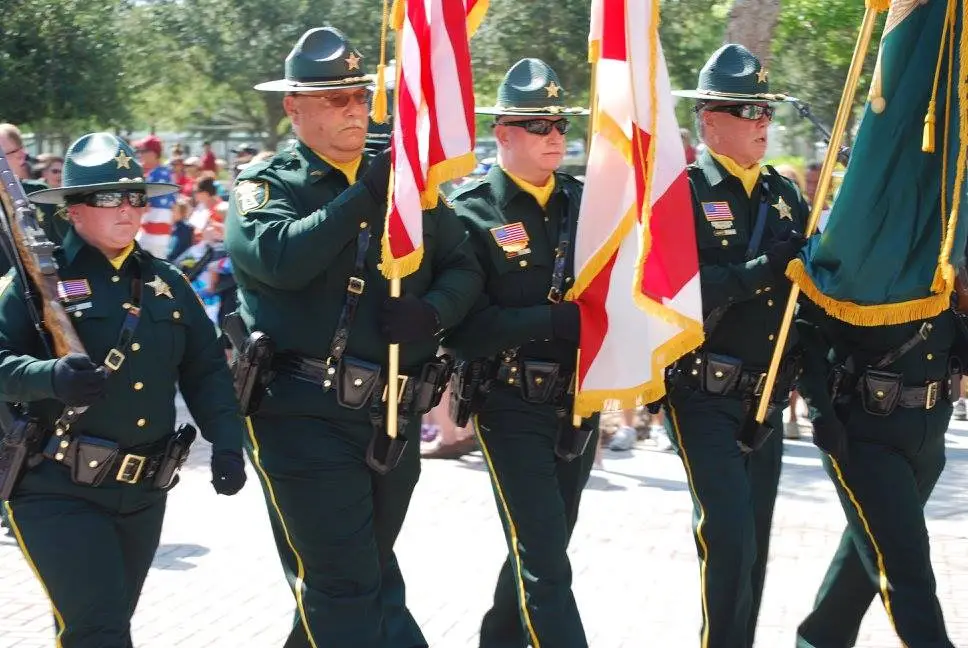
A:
(292, 235)
(725, 218)
(174, 344)
(514, 310)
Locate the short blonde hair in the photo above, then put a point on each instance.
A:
(12, 133)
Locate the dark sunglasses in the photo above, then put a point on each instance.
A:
(361, 98)
(106, 199)
(539, 126)
(751, 112)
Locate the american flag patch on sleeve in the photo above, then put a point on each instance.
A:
(73, 290)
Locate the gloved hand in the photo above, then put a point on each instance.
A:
(830, 435)
(228, 472)
(408, 319)
(783, 251)
(376, 178)
(566, 322)
(77, 380)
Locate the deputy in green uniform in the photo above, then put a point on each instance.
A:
(522, 218)
(884, 438)
(747, 220)
(303, 233)
(88, 515)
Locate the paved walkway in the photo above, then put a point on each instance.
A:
(216, 580)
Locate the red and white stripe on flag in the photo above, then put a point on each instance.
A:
(433, 126)
(637, 269)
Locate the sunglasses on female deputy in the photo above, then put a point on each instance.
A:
(539, 126)
(748, 111)
(360, 97)
(108, 199)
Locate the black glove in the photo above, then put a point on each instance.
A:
(830, 435)
(77, 380)
(566, 322)
(408, 319)
(228, 472)
(654, 408)
(783, 251)
(376, 178)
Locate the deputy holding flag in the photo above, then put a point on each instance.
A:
(300, 232)
(747, 220)
(521, 340)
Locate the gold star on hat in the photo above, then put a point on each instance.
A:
(553, 89)
(784, 209)
(353, 61)
(160, 287)
(124, 161)
(762, 75)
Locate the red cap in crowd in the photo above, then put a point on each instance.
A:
(151, 143)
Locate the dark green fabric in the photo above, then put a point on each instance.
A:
(342, 520)
(754, 297)
(94, 579)
(733, 498)
(893, 464)
(889, 206)
(732, 73)
(531, 87)
(537, 495)
(321, 59)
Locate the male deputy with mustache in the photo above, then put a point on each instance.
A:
(303, 234)
(748, 218)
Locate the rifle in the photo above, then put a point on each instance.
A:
(843, 155)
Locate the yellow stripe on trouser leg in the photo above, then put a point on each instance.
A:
(883, 582)
(300, 570)
(30, 561)
(699, 526)
(512, 530)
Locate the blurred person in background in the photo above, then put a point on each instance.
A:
(157, 221)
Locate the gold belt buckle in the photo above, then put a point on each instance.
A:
(356, 285)
(114, 359)
(131, 464)
(402, 381)
(932, 395)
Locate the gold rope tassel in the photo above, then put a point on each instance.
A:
(379, 113)
(928, 138)
(879, 5)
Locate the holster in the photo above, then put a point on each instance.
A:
(431, 384)
(92, 460)
(720, 374)
(880, 391)
(572, 441)
(17, 445)
(356, 380)
(176, 453)
(469, 385)
(539, 381)
(251, 364)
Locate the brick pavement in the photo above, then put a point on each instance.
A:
(216, 580)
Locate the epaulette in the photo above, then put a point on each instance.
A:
(466, 188)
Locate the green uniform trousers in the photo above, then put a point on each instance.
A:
(335, 522)
(537, 496)
(91, 554)
(733, 496)
(883, 488)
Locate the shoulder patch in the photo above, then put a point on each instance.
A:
(465, 188)
(5, 282)
(251, 195)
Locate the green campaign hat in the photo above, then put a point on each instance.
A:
(100, 162)
(531, 88)
(322, 59)
(733, 73)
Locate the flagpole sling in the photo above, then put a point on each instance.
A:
(823, 188)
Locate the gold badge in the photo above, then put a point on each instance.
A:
(784, 209)
(160, 287)
(250, 195)
(553, 89)
(762, 75)
(353, 61)
(124, 161)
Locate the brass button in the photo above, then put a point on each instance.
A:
(523, 263)
(92, 463)
(514, 370)
(115, 279)
(698, 361)
(357, 382)
(59, 432)
(126, 306)
(59, 456)
(768, 288)
(538, 380)
(327, 383)
(759, 292)
(176, 315)
(77, 314)
(930, 356)
(879, 393)
(695, 372)
(138, 386)
(719, 374)
(135, 346)
(725, 242)
(331, 371)
(364, 225)
(769, 302)
(568, 279)
(64, 444)
(142, 422)
(770, 337)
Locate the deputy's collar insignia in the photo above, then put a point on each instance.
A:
(160, 287)
(70, 291)
(124, 161)
(762, 75)
(553, 89)
(353, 61)
(783, 209)
(251, 195)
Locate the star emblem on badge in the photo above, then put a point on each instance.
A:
(553, 89)
(784, 209)
(124, 161)
(160, 287)
(353, 61)
(762, 75)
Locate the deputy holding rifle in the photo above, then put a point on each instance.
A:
(89, 453)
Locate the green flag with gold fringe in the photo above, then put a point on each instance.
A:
(897, 228)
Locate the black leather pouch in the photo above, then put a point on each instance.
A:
(356, 380)
(433, 381)
(721, 373)
(92, 460)
(539, 381)
(880, 391)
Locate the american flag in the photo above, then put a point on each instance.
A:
(433, 128)
(73, 289)
(716, 211)
(510, 235)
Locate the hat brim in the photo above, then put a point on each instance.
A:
(56, 196)
(722, 96)
(287, 85)
(548, 111)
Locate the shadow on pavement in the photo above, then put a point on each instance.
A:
(173, 557)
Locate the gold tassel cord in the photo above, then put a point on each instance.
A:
(878, 5)
(928, 138)
(379, 113)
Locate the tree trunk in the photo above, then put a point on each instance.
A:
(273, 114)
(752, 23)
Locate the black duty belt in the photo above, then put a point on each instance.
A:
(538, 380)
(923, 397)
(130, 466)
(749, 384)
